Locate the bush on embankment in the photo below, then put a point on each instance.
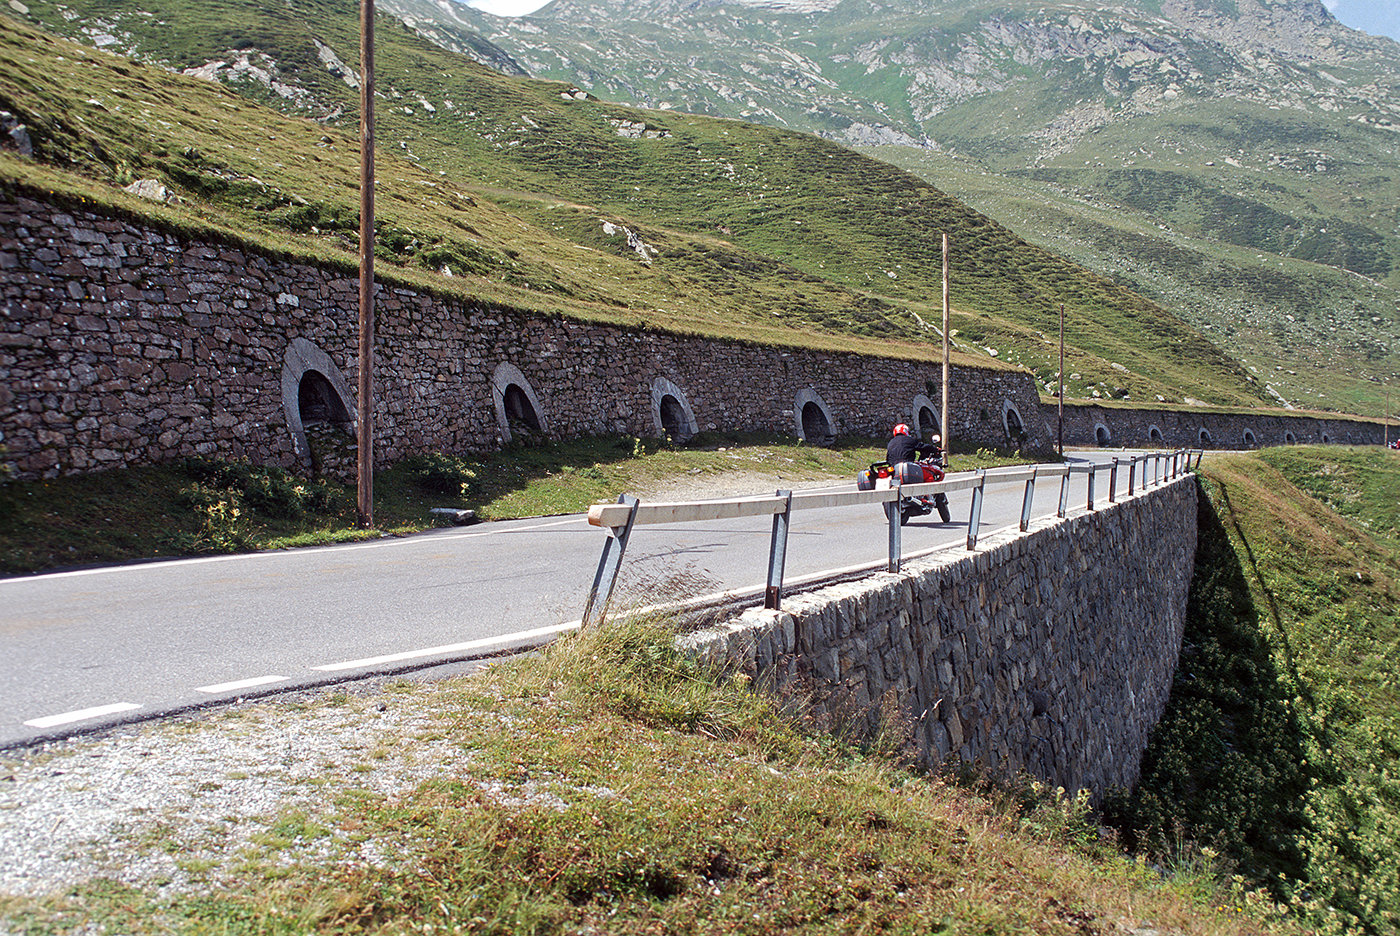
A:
(1280, 748)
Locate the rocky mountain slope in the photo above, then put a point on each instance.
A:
(1232, 159)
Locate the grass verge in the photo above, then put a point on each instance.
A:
(198, 506)
(610, 784)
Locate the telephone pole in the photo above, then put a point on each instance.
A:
(943, 417)
(364, 504)
(1060, 396)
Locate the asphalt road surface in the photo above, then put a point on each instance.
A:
(87, 649)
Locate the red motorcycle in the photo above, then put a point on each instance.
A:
(878, 477)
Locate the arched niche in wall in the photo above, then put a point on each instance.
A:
(925, 417)
(671, 411)
(1248, 439)
(1289, 438)
(518, 410)
(1203, 437)
(315, 394)
(1102, 436)
(1012, 423)
(815, 423)
(1326, 438)
(1154, 434)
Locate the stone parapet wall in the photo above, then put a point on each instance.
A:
(1050, 652)
(123, 344)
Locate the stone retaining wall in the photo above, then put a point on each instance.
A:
(1087, 424)
(123, 344)
(1050, 651)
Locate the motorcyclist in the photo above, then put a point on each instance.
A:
(904, 447)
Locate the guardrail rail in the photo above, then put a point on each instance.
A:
(1144, 471)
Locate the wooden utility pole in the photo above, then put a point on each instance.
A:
(943, 416)
(364, 506)
(1060, 397)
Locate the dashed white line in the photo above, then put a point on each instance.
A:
(50, 721)
(481, 644)
(241, 684)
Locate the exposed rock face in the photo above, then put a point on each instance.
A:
(829, 66)
(15, 135)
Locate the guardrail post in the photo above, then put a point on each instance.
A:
(1132, 474)
(1200, 453)
(974, 516)
(1064, 492)
(608, 565)
(1156, 468)
(1026, 503)
(1093, 471)
(895, 515)
(777, 555)
(1113, 482)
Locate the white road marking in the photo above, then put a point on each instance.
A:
(387, 542)
(241, 684)
(481, 644)
(49, 721)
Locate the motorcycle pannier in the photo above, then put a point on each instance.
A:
(909, 473)
(865, 480)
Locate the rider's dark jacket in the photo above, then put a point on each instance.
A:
(903, 448)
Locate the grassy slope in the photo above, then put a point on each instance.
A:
(762, 234)
(1313, 333)
(1281, 743)
(1237, 212)
(632, 791)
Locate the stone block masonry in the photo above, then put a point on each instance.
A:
(1050, 652)
(122, 344)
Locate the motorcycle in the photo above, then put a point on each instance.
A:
(878, 477)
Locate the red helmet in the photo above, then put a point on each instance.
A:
(901, 429)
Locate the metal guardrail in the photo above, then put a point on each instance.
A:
(619, 519)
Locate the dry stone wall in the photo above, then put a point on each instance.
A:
(1088, 424)
(1050, 652)
(122, 343)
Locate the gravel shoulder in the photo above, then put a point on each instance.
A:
(166, 802)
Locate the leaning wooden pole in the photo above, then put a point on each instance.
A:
(1060, 398)
(943, 416)
(364, 506)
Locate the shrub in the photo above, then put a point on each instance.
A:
(442, 474)
(268, 491)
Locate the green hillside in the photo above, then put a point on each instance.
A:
(507, 183)
(1309, 333)
(1280, 744)
(1232, 161)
